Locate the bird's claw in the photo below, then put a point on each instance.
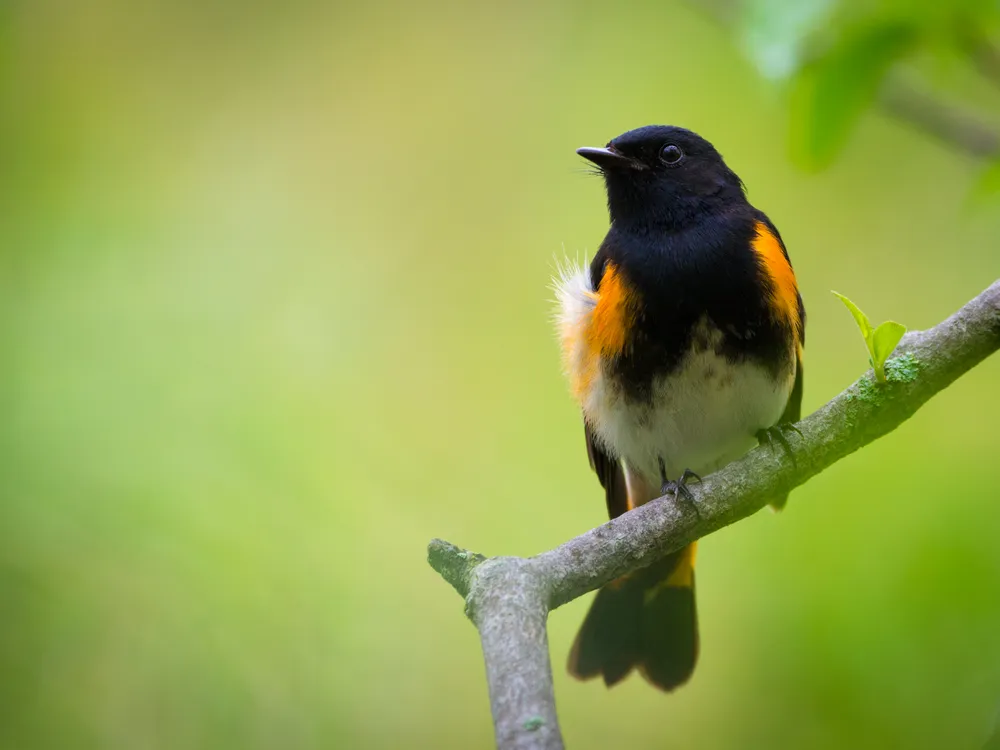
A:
(774, 434)
(679, 488)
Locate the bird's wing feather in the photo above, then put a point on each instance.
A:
(609, 472)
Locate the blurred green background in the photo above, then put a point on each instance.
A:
(274, 311)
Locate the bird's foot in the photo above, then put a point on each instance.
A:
(679, 487)
(776, 434)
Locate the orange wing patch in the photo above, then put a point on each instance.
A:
(784, 294)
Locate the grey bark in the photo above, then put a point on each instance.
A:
(509, 598)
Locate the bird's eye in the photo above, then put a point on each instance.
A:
(671, 154)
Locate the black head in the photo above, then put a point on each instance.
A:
(664, 175)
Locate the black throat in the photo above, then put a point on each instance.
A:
(645, 202)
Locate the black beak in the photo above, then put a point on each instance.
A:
(607, 158)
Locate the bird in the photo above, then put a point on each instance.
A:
(682, 341)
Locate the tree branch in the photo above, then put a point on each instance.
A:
(509, 598)
(957, 127)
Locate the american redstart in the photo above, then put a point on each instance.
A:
(683, 344)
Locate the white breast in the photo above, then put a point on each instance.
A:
(705, 414)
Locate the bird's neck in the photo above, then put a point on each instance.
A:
(669, 213)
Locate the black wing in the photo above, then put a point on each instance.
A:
(793, 409)
(609, 471)
(791, 415)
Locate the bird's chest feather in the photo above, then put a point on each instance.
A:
(701, 415)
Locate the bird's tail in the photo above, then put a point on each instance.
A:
(646, 620)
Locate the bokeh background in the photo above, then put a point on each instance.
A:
(274, 311)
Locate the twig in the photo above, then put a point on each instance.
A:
(509, 598)
(957, 127)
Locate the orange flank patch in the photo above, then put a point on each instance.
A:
(683, 575)
(604, 331)
(613, 316)
(784, 294)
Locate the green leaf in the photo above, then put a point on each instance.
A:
(861, 319)
(880, 341)
(831, 92)
(776, 33)
(884, 340)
